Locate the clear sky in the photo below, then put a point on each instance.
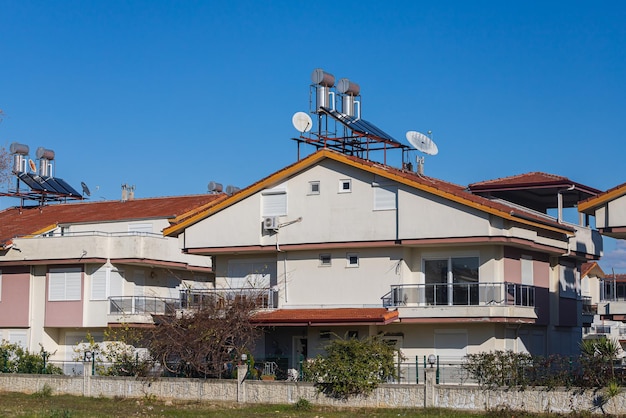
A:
(169, 95)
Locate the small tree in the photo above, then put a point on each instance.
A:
(5, 162)
(208, 337)
(352, 367)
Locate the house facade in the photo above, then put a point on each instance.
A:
(348, 247)
(609, 211)
(68, 269)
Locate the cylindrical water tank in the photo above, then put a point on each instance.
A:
(323, 97)
(215, 187)
(17, 148)
(345, 86)
(347, 105)
(48, 154)
(323, 78)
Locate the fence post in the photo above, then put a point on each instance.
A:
(242, 371)
(417, 369)
(429, 387)
(87, 371)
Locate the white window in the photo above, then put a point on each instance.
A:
(384, 198)
(527, 270)
(64, 284)
(251, 274)
(19, 337)
(345, 185)
(325, 260)
(314, 187)
(274, 202)
(106, 282)
(352, 260)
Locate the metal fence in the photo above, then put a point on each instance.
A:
(460, 294)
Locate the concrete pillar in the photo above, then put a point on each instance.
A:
(430, 383)
(242, 371)
(87, 378)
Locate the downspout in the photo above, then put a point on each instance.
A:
(559, 196)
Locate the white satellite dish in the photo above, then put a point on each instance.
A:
(302, 122)
(422, 142)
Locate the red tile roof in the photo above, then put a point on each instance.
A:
(533, 178)
(593, 267)
(432, 185)
(33, 219)
(336, 316)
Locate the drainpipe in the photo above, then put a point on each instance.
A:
(560, 201)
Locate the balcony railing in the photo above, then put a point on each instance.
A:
(191, 299)
(141, 305)
(262, 298)
(460, 294)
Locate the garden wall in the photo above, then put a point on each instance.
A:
(429, 394)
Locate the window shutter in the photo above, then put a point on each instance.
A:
(384, 198)
(56, 286)
(116, 283)
(72, 285)
(99, 285)
(275, 204)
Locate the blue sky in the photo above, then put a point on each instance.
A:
(169, 95)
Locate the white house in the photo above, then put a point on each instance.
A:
(352, 247)
(71, 268)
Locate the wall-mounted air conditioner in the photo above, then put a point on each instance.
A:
(270, 223)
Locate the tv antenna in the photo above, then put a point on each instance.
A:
(302, 122)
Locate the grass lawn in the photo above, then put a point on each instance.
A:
(49, 405)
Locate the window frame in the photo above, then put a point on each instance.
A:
(54, 276)
(312, 185)
(349, 263)
(322, 258)
(343, 182)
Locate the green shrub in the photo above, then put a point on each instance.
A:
(352, 367)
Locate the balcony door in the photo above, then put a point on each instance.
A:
(451, 280)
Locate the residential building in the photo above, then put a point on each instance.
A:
(609, 211)
(351, 247)
(67, 269)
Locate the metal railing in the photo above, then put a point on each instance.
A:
(262, 298)
(191, 299)
(460, 294)
(138, 305)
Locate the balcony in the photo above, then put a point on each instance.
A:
(105, 245)
(441, 300)
(139, 309)
(262, 298)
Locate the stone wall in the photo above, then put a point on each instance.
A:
(466, 397)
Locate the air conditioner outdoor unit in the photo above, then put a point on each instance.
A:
(270, 223)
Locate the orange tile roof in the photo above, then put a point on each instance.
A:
(331, 316)
(31, 220)
(589, 205)
(432, 185)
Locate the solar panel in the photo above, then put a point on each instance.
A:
(360, 126)
(31, 182)
(48, 185)
(69, 189)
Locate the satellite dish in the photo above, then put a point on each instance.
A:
(422, 142)
(32, 165)
(302, 122)
(85, 188)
